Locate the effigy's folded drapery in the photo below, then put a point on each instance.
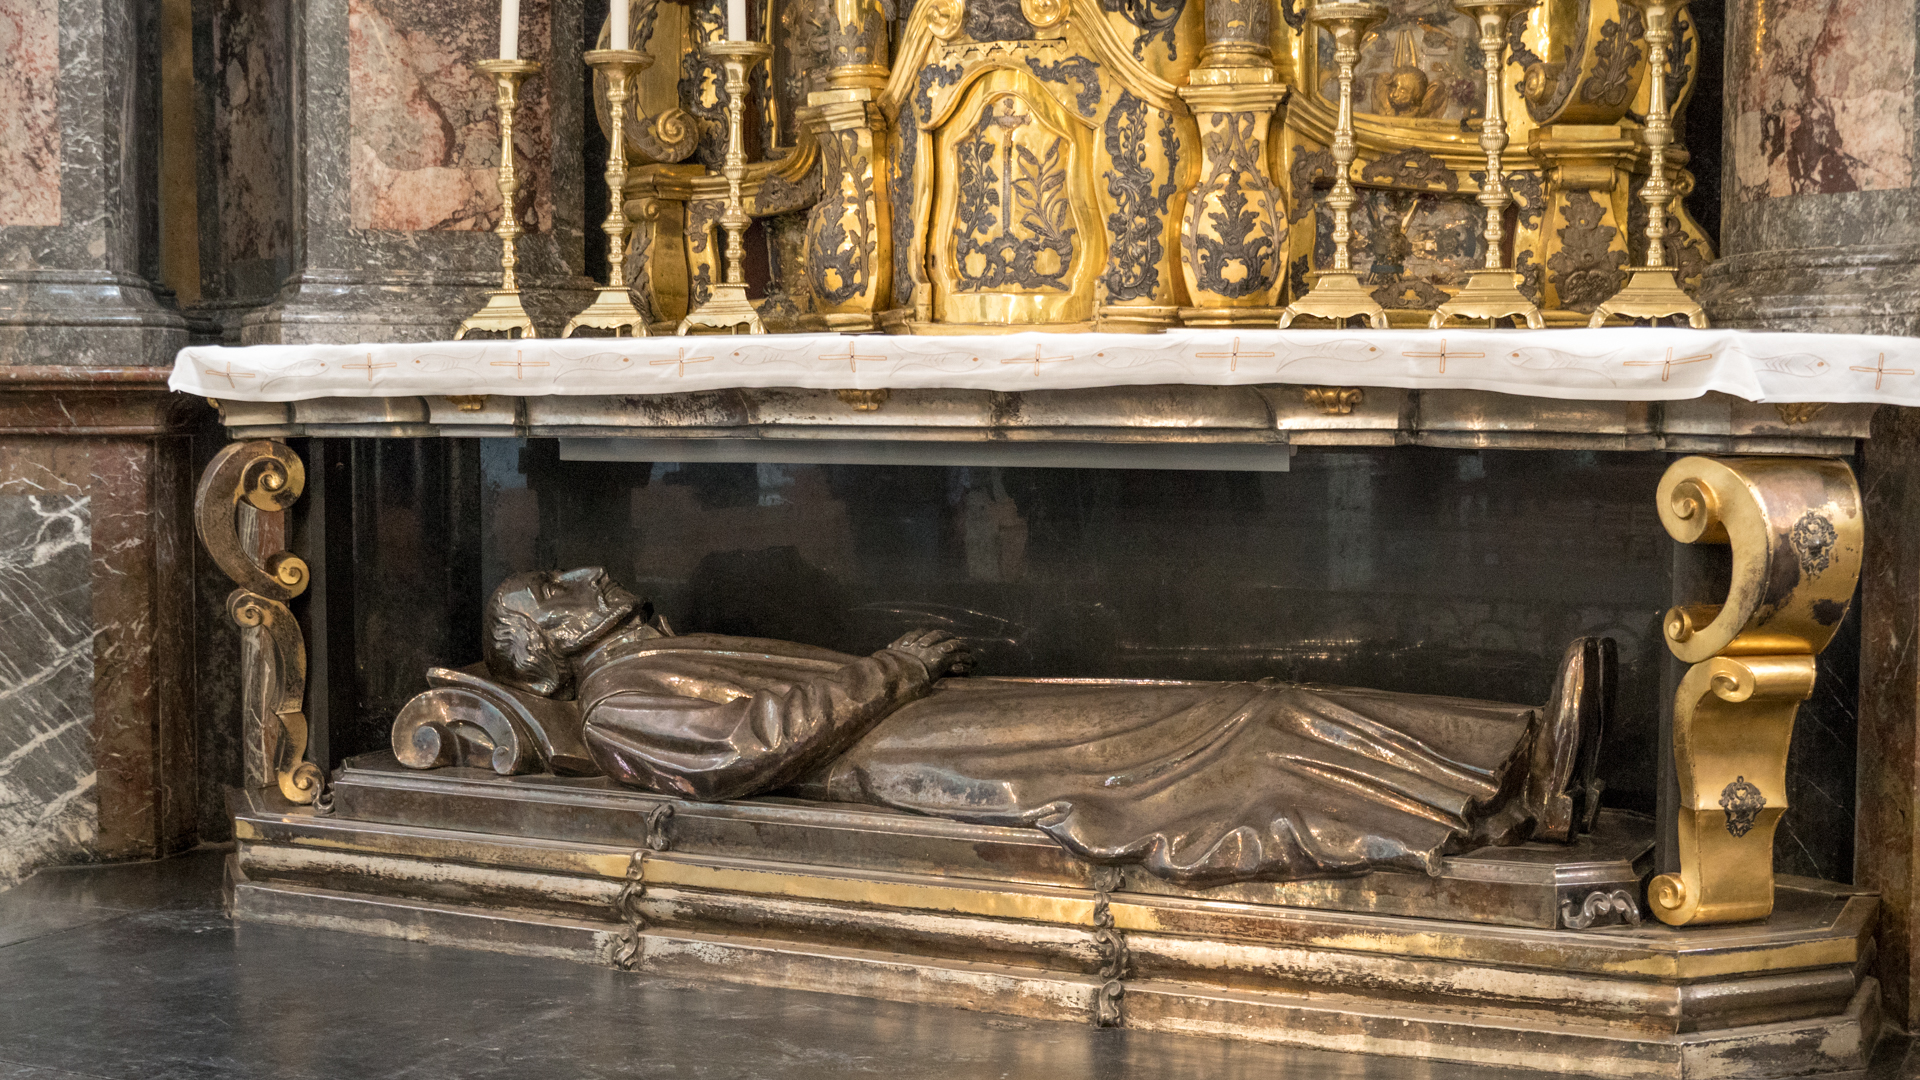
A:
(1202, 783)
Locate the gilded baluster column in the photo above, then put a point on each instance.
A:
(1234, 230)
(1796, 535)
(849, 250)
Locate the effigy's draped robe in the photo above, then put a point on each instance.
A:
(1201, 783)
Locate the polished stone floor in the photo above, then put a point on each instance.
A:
(133, 973)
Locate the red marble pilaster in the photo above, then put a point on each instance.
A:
(113, 447)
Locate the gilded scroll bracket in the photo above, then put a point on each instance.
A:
(1794, 529)
(244, 480)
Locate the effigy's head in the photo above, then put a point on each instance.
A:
(536, 621)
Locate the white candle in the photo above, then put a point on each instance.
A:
(736, 20)
(622, 25)
(509, 29)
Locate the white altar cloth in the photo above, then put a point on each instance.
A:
(1624, 364)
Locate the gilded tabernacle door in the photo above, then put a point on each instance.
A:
(1015, 234)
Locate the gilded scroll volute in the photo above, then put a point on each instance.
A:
(244, 480)
(1794, 533)
(1796, 536)
(1733, 723)
(1597, 65)
(666, 132)
(268, 477)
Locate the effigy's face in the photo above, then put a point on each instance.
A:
(573, 608)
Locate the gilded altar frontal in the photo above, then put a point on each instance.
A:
(967, 166)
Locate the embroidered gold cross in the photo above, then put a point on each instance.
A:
(682, 360)
(852, 358)
(519, 364)
(1666, 365)
(367, 367)
(228, 374)
(1881, 370)
(1443, 355)
(1234, 355)
(1037, 360)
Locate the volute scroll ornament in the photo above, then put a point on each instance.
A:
(1795, 535)
(268, 477)
(242, 480)
(1733, 721)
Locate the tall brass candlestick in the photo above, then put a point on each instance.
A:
(1493, 292)
(502, 312)
(612, 308)
(1337, 293)
(1652, 291)
(727, 307)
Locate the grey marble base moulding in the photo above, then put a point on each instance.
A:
(1856, 290)
(77, 317)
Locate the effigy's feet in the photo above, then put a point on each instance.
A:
(1557, 742)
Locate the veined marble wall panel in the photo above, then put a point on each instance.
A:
(1825, 97)
(425, 135)
(48, 782)
(96, 634)
(29, 112)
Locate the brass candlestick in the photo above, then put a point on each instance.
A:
(1337, 293)
(502, 312)
(1652, 291)
(728, 307)
(612, 308)
(1493, 292)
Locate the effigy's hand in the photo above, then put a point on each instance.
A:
(943, 653)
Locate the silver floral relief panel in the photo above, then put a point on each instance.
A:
(47, 778)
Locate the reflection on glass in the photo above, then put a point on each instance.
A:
(1436, 571)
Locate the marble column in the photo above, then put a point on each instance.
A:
(1820, 230)
(78, 189)
(351, 162)
(1820, 225)
(97, 749)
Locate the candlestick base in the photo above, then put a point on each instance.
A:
(1337, 295)
(727, 308)
(501, 314)
(612, 309)
(1492, 295)
(1651, 292)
